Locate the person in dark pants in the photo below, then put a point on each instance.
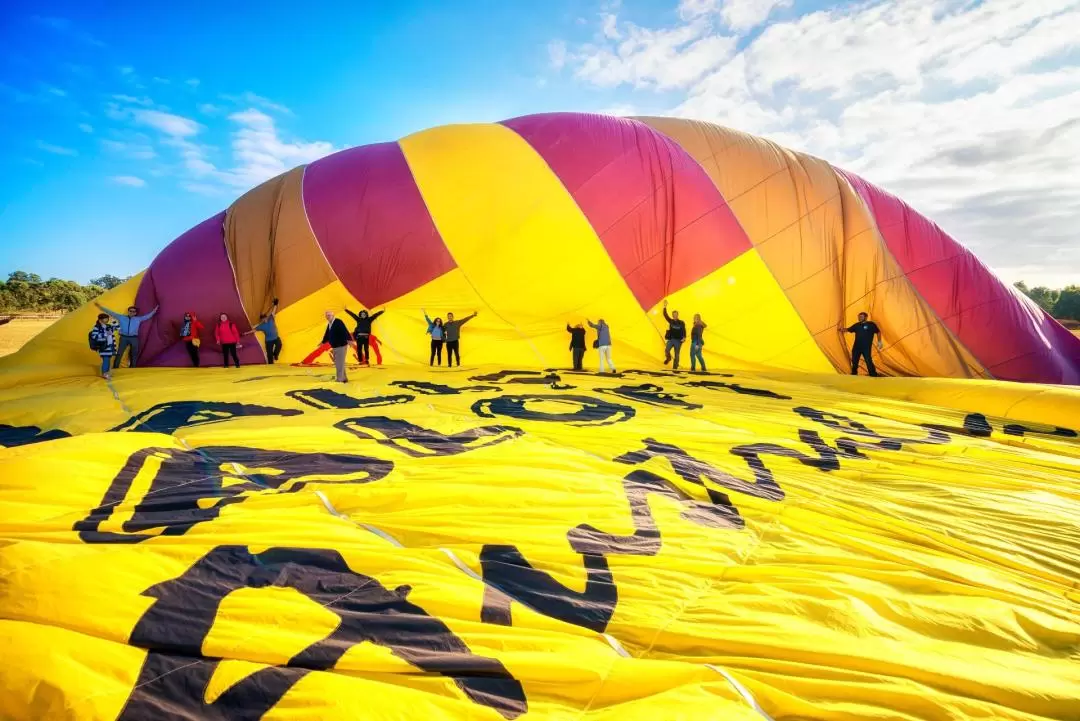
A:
(435, 330)
(227, 336)
(676, 334)
(452, 333)
(697, 343)
(268, 325)
(129, 331)
(337, 337)
(577, 344)
(190, 328)
(865, 331)
(362, 332)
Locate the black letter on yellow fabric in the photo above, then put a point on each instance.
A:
(421, 442)
(438, 389)
(760, 392)
(174, 677)
(326, 399)
(11, 436)
(172, 505)
(590, 411)
(171, 416)
(651, 394)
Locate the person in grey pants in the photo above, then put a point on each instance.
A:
(129, 331)
(338, 337)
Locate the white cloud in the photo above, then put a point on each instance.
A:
(192, 82)
(968, 110)
(53, 90)
(126, 70)
(86, 127)
(174, 125)
(662, 59)
(129, 180)
(557, 54)
(620, 111)
(136, 148)
(161, 81)
(208, 109)
(260, 153)
(56, 149)
(63, 26)
(250, 98)
(132, 100)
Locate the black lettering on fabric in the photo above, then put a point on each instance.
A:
(976, 425)
(645, 540)
(11, 436)
(890, 443)
(171, 416)
(420, 442)
(326, 399)
(507, 575)
(535, 378)
(651, 394)
(184, 480)
(740, 389)
(589, 411)
(695, 471)
(439, 389)
(175, 675)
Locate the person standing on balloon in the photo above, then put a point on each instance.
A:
(227, 336)
(865, 331)
(452, 333)
(362, 332)
(338, 338)
(103, 342)
(577, 344)
(268, 326)
(190, 329)
(129, 331)
(435, 330)
(603, 343)
(676, 334)
(697, 343)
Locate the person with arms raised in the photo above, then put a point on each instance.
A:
(452, 333)
(129, 331)
(362, 332)
(676, 334)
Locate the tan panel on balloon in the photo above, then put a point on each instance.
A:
(266, 231)
(822, 246)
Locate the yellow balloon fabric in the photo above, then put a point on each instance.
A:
(509, 539)
(483, 543)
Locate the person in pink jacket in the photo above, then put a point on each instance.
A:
(227, 336)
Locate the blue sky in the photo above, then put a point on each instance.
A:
(122, 126)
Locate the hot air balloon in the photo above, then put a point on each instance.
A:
(513, 538)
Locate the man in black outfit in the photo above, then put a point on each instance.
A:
(337, 335)
(577, 343)
(676, 334)
(864, 331)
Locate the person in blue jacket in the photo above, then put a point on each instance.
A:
(435, 330)
(129, 331)
(268, 326)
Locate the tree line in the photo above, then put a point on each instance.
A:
(24, 292)
(1063, 303)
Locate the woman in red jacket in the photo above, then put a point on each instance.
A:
(190, 330)
(227, 336)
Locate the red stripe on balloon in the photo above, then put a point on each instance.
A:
(192, 273)
(1012, 337)
(663, 222)
(372, 224)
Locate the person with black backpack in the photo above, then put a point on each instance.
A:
(102, 340)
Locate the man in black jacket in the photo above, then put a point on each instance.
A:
(676, 334)
(337, 335)
(577, 343)
(865, 331)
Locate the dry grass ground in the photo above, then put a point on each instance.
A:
(14, 335)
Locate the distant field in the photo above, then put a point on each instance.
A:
(15, 334)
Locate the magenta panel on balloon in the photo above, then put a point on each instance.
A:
(662, 220)
(193, 274)
(1012, 337)
(372, 224)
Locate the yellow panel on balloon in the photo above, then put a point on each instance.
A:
(520, 239)
(751, 323)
